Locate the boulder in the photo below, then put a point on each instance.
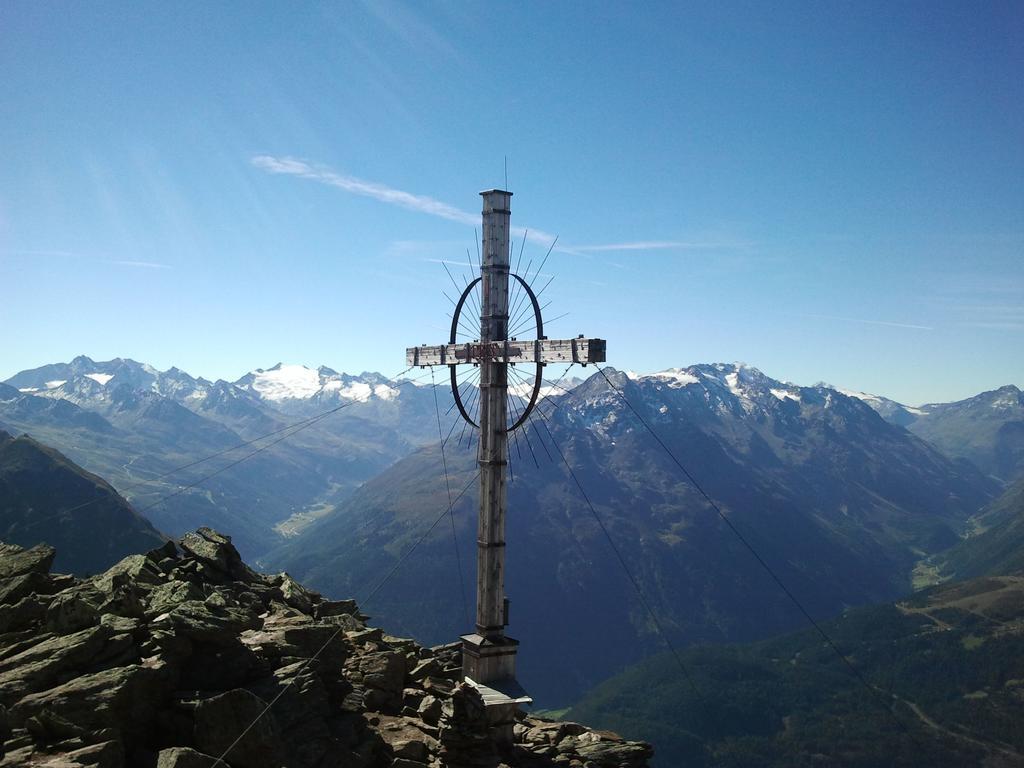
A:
(296, 595)
(216, 551)
(239, 724)
(16, 561)
(207, 623)
(34, 583)
(28, 612)
(108, 754)
(70, 612)
(49, 661)
(184, 757)
(137, 570)
(383, 675)
(124, 698)
(430, 710)
(170, 594)
(327, 608)
(404, 739)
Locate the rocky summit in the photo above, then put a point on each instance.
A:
(185, 657)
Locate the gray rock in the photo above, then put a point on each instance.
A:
(404, 739)
(15, 561)
(238, 722)
(15, 588)
(28, 612)
(430, 709)
(71, 612)
(170, 594)
(205, 623)
(383, 674)
(108, 754)
(45, 663)
(125, 698)
(296, 595)
(426, 668)
(138, 570)
(216, 551)
(169, 658)
(184, 757)
(328, 608)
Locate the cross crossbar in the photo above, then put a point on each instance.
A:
(579, 350)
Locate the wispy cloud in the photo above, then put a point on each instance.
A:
(58, 254)
(1003, 317)
(655, 245)
(141, 264)
(44, 254)
(290, 166)
(992, 302)
(864, 321)
(459, 264)
(385, 194)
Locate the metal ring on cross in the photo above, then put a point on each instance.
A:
(524, 320)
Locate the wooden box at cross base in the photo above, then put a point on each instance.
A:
(488, 654)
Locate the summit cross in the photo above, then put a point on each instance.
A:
(488, 654)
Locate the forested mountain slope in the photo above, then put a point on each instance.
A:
(945, 670)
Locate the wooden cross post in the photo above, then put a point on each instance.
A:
(488, 655)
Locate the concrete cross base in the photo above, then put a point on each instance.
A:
(489, 659)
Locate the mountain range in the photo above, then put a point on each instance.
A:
(830, 487)
(987, 429)
(841, 502)
(134, 425)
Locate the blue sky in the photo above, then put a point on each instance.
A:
(827, 191)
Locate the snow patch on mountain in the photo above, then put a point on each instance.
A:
(785, 394)
(878, 402)
(357, 390)
(56, 383)
(286, 382)
(732, 380)
(99, 378)
(674, 377)
(384, 392)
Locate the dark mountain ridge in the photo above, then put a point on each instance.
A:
(44, 497)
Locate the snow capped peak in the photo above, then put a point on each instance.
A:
(731, 376)
(285, 382)
(288, 382)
